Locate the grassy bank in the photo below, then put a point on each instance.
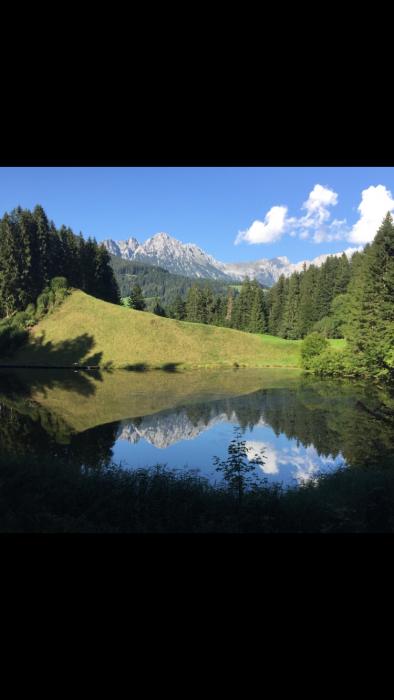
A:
(54, 497)
(89, 331)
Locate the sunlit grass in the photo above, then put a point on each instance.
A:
(125, 337)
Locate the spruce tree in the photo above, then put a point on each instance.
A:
(290, 322)
(257, 317)
(307, 315)
(9, 266)
(276, 306)
(195, 305)
(372, 332)
(178, 309)
(229, 306)
(136, 298)
(44, 245)
(158, 309)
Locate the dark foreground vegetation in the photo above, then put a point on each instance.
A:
(48, 496)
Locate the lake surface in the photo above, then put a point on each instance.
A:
(302, 425)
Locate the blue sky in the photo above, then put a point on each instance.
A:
(297, 212)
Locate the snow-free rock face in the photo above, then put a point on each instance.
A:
(167, 252)
(190, 260)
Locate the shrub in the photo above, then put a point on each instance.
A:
(11, 338)
(42, 303)
(59, 283)
(312, 345)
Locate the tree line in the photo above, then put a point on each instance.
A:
(245, 310)
(33, 251)
(308, 300)
(366, 311)
(156, 282)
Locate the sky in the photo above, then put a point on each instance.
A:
(234, 214)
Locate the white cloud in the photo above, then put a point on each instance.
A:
(317, 205)
(254, 449)
(268, 231)
(374, 205)
(276, 223)
(315, 224)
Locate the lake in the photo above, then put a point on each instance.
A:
(301, 425)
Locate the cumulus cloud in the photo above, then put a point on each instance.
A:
(312, 224)
(374, 205)
(267, 231)
(315, 223)
(254, 449)
(317, 206)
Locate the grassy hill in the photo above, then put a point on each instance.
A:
(89, 331)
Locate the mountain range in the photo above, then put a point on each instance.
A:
(188, 259)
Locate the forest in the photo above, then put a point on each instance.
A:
(33, 251)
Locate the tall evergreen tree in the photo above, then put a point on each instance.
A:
(371, 334)
(290, 321)
(44, 245)
(9, 266)
(229, 306)
(178, 309)
(276, 306)
(195, 305)
(307, 315)
(257, 317)
(136, 299)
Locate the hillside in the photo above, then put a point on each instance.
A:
(89, 331)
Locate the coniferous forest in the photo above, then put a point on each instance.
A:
(33, 251)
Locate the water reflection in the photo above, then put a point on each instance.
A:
(303, 425)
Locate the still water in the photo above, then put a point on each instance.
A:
(301, 425)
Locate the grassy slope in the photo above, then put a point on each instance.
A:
(86, 329)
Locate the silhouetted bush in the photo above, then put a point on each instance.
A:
(44, 496)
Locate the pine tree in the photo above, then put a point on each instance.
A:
(178, 309)
(325, 288)
(283, 321)
(195, 305)
(257, 317)
(9, 266)
(276, 299)
(136, 299)
(105, 282)
(342, 276)
(229, 306)
(44, 246)
(290, 322)
(158, 308)
(242, 306)
(372, 331)
(307, 315)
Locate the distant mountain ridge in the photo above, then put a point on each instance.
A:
(191, 261)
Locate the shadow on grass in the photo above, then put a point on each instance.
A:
(171, 367)
(45, 365)
(137, 367)
(143, 367)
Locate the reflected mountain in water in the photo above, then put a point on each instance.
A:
(303, 424)
(168, 428)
